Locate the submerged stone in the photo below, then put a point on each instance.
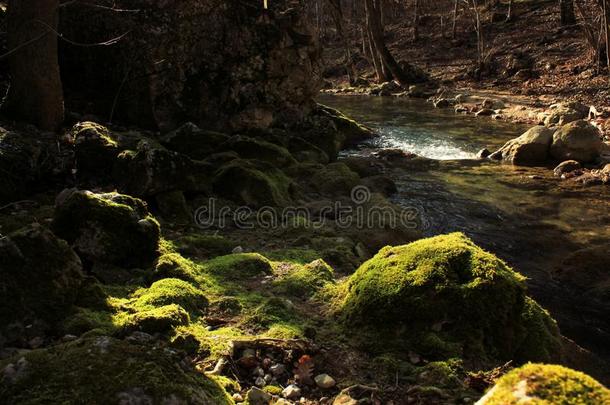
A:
(109, 228)
(448, 279)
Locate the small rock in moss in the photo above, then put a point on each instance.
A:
(239, 266)
(171, 291)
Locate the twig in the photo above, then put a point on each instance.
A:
(61, 36)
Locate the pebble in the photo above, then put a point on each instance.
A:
(325, 381)
(237, 397)
(260, 382)
(248, 359)
(292, 391)
(414, 358)
(258, 396)
(268, 378)
(277, 369)
(238, 249)
(258, 371)
(36, 342)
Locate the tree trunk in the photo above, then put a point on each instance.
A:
(566, 12)
(374, 25)
(455, 13)
(416, 20)
(35, 93)
(337, 15)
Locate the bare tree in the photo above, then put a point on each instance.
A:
(566, 12)
(337, 15)
(35, 93)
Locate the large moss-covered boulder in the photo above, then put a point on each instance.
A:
(531, 148)
(253, 182)
(104, 370)
(546, 384)
(578, 140)
(40, 276)
(450, 298)
(108, 228)
(95, 149)
(332, 131)
(152, 169)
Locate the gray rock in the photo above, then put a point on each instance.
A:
(578, 140)
(291, 392)
(485, 112)
(564, 113)
(277, 369)
(529, 149)
(567, 167)
(256, 396)
(325, 381)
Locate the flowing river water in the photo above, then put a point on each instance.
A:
(526, 216)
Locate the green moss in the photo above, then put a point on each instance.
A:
(295, 255)
(204, 246)
(172, 265)
(447, 280)
(273, 389)
(305, 280)
(85, 319)
(170, 291)
(158, 319)
(253, 183)
(547, 384)
(335, 179)
(102, 370)
(238, 266)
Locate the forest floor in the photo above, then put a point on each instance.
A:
(562, 64)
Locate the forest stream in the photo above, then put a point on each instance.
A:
(523, 214)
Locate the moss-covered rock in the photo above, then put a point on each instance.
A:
(109, 228)
(103, 370)
(173, 207)
(170, 291)
(173, 265)
(157, 320)
(462, 301)
(238, 266)
(254, 183)
(193, 141)
(251, 148)
(40, 277)
(152, 169)
(335, 179)
(302, 281)
(204, 246)
(95, 149)
(546, 384)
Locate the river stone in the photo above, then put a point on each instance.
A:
(567, 167)
(578, 140)
(325, 381)
(531, 148)
(108, 228)
(564, 113)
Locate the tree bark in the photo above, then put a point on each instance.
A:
(566, 12)
(35, 94)
(337, 15)
(376, 31)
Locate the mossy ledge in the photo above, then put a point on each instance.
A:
(103, 370)
(461, 300)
